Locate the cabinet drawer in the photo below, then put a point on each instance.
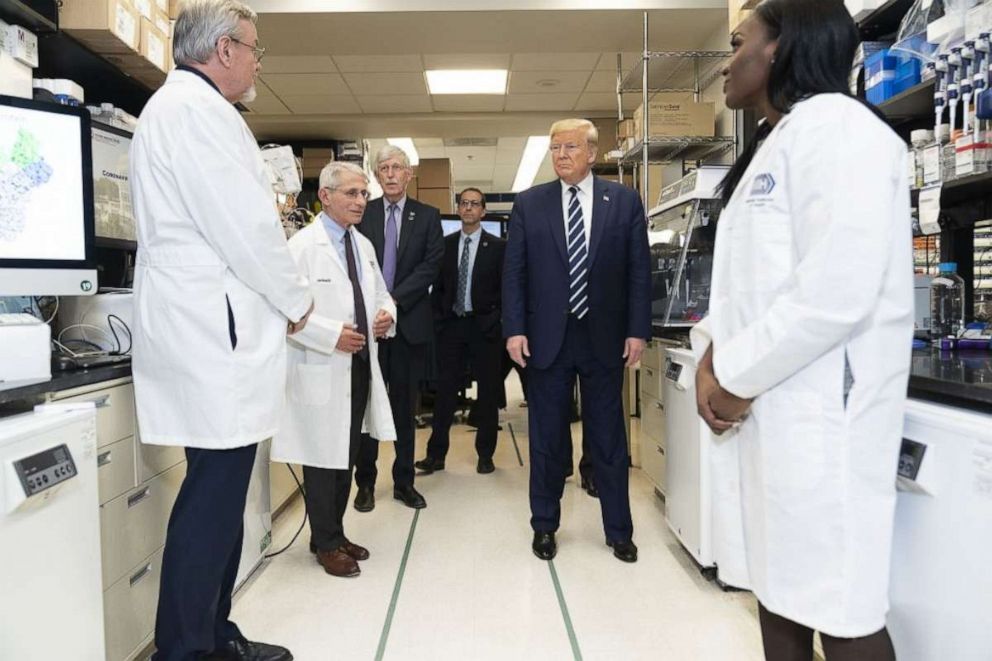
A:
(651, 382)
(653, 420)
(114, 420)
(115, 468)
(132, 526)
(129, 608)
(653, 463)
(156, 459)
(653, 356)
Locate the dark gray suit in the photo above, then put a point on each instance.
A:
(402, 358)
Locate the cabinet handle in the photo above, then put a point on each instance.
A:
(104, 458)
(138, 497)
(659, 406)
(144, 571)
(661, 450)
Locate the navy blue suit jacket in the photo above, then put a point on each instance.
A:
(536, 278)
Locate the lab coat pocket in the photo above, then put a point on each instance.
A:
(761, 249)
(796, 453)
(312, 384)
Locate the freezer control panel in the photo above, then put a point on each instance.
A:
(911, 459)
(45, 469)
(673, 370)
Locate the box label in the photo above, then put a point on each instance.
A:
(125, 25)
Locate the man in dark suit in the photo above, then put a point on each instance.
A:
(409, 245)
(467, 309)
(576, 302)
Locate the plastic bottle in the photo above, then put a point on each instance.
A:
(946, 303)
(921, 139)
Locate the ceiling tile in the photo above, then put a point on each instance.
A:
(554, 61)
(602, 81)
(268, 105)
(300, 84)
(428, 143)
(547, 82)
(378, 63)
(462, 172)
(525, 102)
(322, 104)
(608, 101)
(430, 151)
(298, 64)
(398, 104)
(469, 102)
(467, 61)
(608, 61)
(472, 155)
(386, 83)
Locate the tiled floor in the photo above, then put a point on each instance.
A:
(472, 590)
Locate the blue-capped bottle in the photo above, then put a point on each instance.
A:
(946, 302)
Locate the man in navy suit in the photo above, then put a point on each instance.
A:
(576, 303)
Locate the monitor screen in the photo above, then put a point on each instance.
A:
(111, 190)
(494, 227)
(46, 199)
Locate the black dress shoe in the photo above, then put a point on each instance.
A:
(589, 485)
(485, 466)
(429, 465)
(625, 551)
(544, 545)
(410, 497)
(365, 499)
(245, 650)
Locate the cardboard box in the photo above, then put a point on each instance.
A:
(163, 6)
(434, 173)
(105, 26)
(21, 44)
(607, 137)
(673, 116)
(311, 172)
(625, 129)
(413, 189)
(324, 154)
(162, 22)
(436, 197)
(154, 45)
(174, 7)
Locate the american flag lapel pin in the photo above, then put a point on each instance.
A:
(606, 198)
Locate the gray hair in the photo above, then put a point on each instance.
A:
(202, 23)
(330, 176)
(389, 152)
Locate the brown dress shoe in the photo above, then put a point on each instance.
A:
(338, 563)
(354, 550)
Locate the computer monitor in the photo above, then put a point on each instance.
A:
(449, 226)
(46, 200)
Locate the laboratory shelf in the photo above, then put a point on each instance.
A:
(914, 103)
(884, 21)
(19, 13)
(676, 71)
(667, 150)
(964, 190)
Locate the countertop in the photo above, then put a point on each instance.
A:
(956, 378)
(15, 400)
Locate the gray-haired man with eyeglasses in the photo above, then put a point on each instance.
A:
(216, 291)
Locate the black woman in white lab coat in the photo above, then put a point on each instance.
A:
(806, 350)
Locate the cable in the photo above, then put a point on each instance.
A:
(130, 339)
(84, 327)
(54, 312)
(299, 487)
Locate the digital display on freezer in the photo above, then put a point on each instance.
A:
(44, 470)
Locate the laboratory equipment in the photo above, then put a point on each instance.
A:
(954, 76)
(46, 200)
(52, 606)
(450, 226)
(258, 516)
(703, 498)
(940, 587)
(102, 322)
(25, 350)
(682, 232)
(967, 82)
(921, 305)
(946, 302)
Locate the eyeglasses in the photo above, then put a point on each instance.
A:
(256, 50)
(353, 193)
(473, 204)
(568, 148)
(392, 167)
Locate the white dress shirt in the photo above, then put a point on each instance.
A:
(585, 199)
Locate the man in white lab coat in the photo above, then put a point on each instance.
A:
(335, 390)
(215, 289)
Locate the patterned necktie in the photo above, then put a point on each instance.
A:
(462, 278)
(361, 320)
(578, 297)
(389, 250)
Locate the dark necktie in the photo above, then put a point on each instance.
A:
(462, 288)
(361, 321)
(578, 297)
(389, 250)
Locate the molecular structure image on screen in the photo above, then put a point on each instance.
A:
(22, 170)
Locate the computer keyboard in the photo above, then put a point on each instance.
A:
(18, 319)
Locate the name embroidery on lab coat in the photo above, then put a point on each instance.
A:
(762, 187)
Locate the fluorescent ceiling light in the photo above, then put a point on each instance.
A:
(406, 144)
(467, 81)
(534, 154)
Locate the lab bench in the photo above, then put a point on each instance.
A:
(956, 378)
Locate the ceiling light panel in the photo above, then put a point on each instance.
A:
(534, 154)
(467, 81)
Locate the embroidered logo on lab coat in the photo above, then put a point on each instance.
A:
(763, 185)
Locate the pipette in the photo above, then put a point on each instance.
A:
(940, 92)
(953, 73)
(967, 56)
(983, 90)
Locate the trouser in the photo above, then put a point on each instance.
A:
(327, 489)
(550, 393)
(508, 366)
(402, 366)
(202, 554)
(462, 345)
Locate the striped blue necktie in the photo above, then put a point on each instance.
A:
(578, 296)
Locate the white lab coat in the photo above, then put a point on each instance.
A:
(813, 263)
(211, 254)
(317, 423)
